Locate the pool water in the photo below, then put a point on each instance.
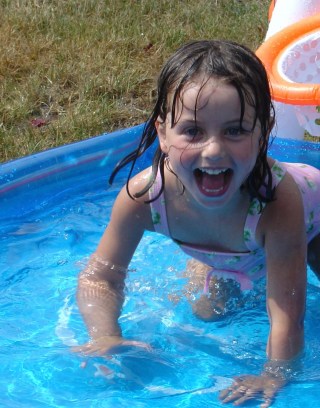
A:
(41, 253)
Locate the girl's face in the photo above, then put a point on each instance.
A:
(208, 147)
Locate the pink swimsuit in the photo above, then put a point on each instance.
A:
(246, 267)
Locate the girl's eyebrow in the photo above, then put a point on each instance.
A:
(238, 120)
(187, 120)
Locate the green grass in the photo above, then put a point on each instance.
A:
(85, 67)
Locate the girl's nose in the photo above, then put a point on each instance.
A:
(214, 149)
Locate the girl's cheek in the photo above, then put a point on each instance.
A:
(188, 154)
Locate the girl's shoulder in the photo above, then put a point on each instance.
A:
(286, 210)
(287, 192)
(132, 208)
(138, 183)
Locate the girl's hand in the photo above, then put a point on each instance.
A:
(248, 387)
(108, 345)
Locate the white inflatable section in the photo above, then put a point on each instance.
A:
(287, 124)
(309, 118)
(287, 12)
(300, 63)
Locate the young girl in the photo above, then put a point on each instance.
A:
(240, 214)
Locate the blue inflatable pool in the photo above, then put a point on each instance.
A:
(54, 208)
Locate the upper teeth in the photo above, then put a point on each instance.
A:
(213, 171)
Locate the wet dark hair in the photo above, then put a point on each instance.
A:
(232, 63)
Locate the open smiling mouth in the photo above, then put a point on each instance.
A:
(213, 182)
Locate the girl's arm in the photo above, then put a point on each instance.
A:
(286, 255)
(282, 231)
(100, 293)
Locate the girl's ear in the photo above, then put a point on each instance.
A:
(161, 131)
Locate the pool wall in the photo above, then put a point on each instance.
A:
(30, 182)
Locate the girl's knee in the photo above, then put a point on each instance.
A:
(197, 268)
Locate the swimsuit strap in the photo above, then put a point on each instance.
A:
(158, 208)
(256, 208)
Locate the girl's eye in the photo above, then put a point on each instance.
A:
(192, 132)
(235, 131)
